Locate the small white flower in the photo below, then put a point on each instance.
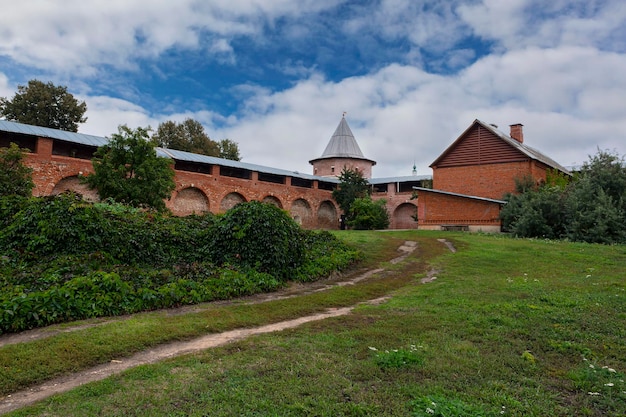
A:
(591, 366)
(593, 393)
(612, 370)
(430, 411)
(433, 404)
(372, 348)
(609, 384)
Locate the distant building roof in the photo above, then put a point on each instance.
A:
(406, 178)
(342, 144)
(527, 150)
(521, 147)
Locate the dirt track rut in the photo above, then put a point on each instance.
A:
(29, 396)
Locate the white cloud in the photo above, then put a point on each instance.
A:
(5, 89)
(401, 113)
(79, 36)
(517, 24)
(558, 69)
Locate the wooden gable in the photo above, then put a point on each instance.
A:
(478, 145)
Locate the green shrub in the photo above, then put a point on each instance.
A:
(67, 225)
(64, 259)
(324, 255)
(367, 214)
(258, 236)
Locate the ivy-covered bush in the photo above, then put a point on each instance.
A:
(259, 236)
(324, 255)
(64, 259)
(67, 225)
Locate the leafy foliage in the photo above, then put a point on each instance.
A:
(15, 177)
(260, 236)
(62, 258)
(439, 406)
(352, 185)
(46, 105)
(229, 150)
(591, 208)
(187, 136)
(128, 170)
(190, 136)
(366, 214)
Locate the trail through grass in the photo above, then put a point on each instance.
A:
(508, 327)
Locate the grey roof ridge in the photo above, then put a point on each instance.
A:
(527, 150)
(473, 197)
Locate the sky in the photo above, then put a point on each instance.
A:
(275, 76)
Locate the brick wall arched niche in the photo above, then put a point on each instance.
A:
(301, 212)
(190, 200)
(270, 199)
(402, 217)
(73, 183)
(230, 201)
(327, 217)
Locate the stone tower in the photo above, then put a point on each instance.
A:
(342, 152)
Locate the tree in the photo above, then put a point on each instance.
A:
(15, 177)
(128, 171)
(367, 214)
(596, 203)
(590, 208)
(187, 136)
(229, 150)
(44, 105)
(352, 185)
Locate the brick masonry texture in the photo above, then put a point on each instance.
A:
(313, 208)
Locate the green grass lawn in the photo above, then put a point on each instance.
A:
(508, 327)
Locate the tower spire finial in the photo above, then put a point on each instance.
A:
(344, 114)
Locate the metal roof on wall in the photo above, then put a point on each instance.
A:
(96, 141)
(46, 132)
(407, 178)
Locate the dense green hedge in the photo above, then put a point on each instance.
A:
(63, 259)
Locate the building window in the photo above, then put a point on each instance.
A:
(332, 169)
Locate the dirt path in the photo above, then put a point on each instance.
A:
(29, 396)
(58, 385)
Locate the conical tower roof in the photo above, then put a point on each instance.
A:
(342, 144)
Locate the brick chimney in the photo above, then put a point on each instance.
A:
(517, 132)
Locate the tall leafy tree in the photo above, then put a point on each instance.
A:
(15, 177)
(129, 171)
(229, 150)
(187, 136)
(591, 208)
(352, 185)
(44, 104)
